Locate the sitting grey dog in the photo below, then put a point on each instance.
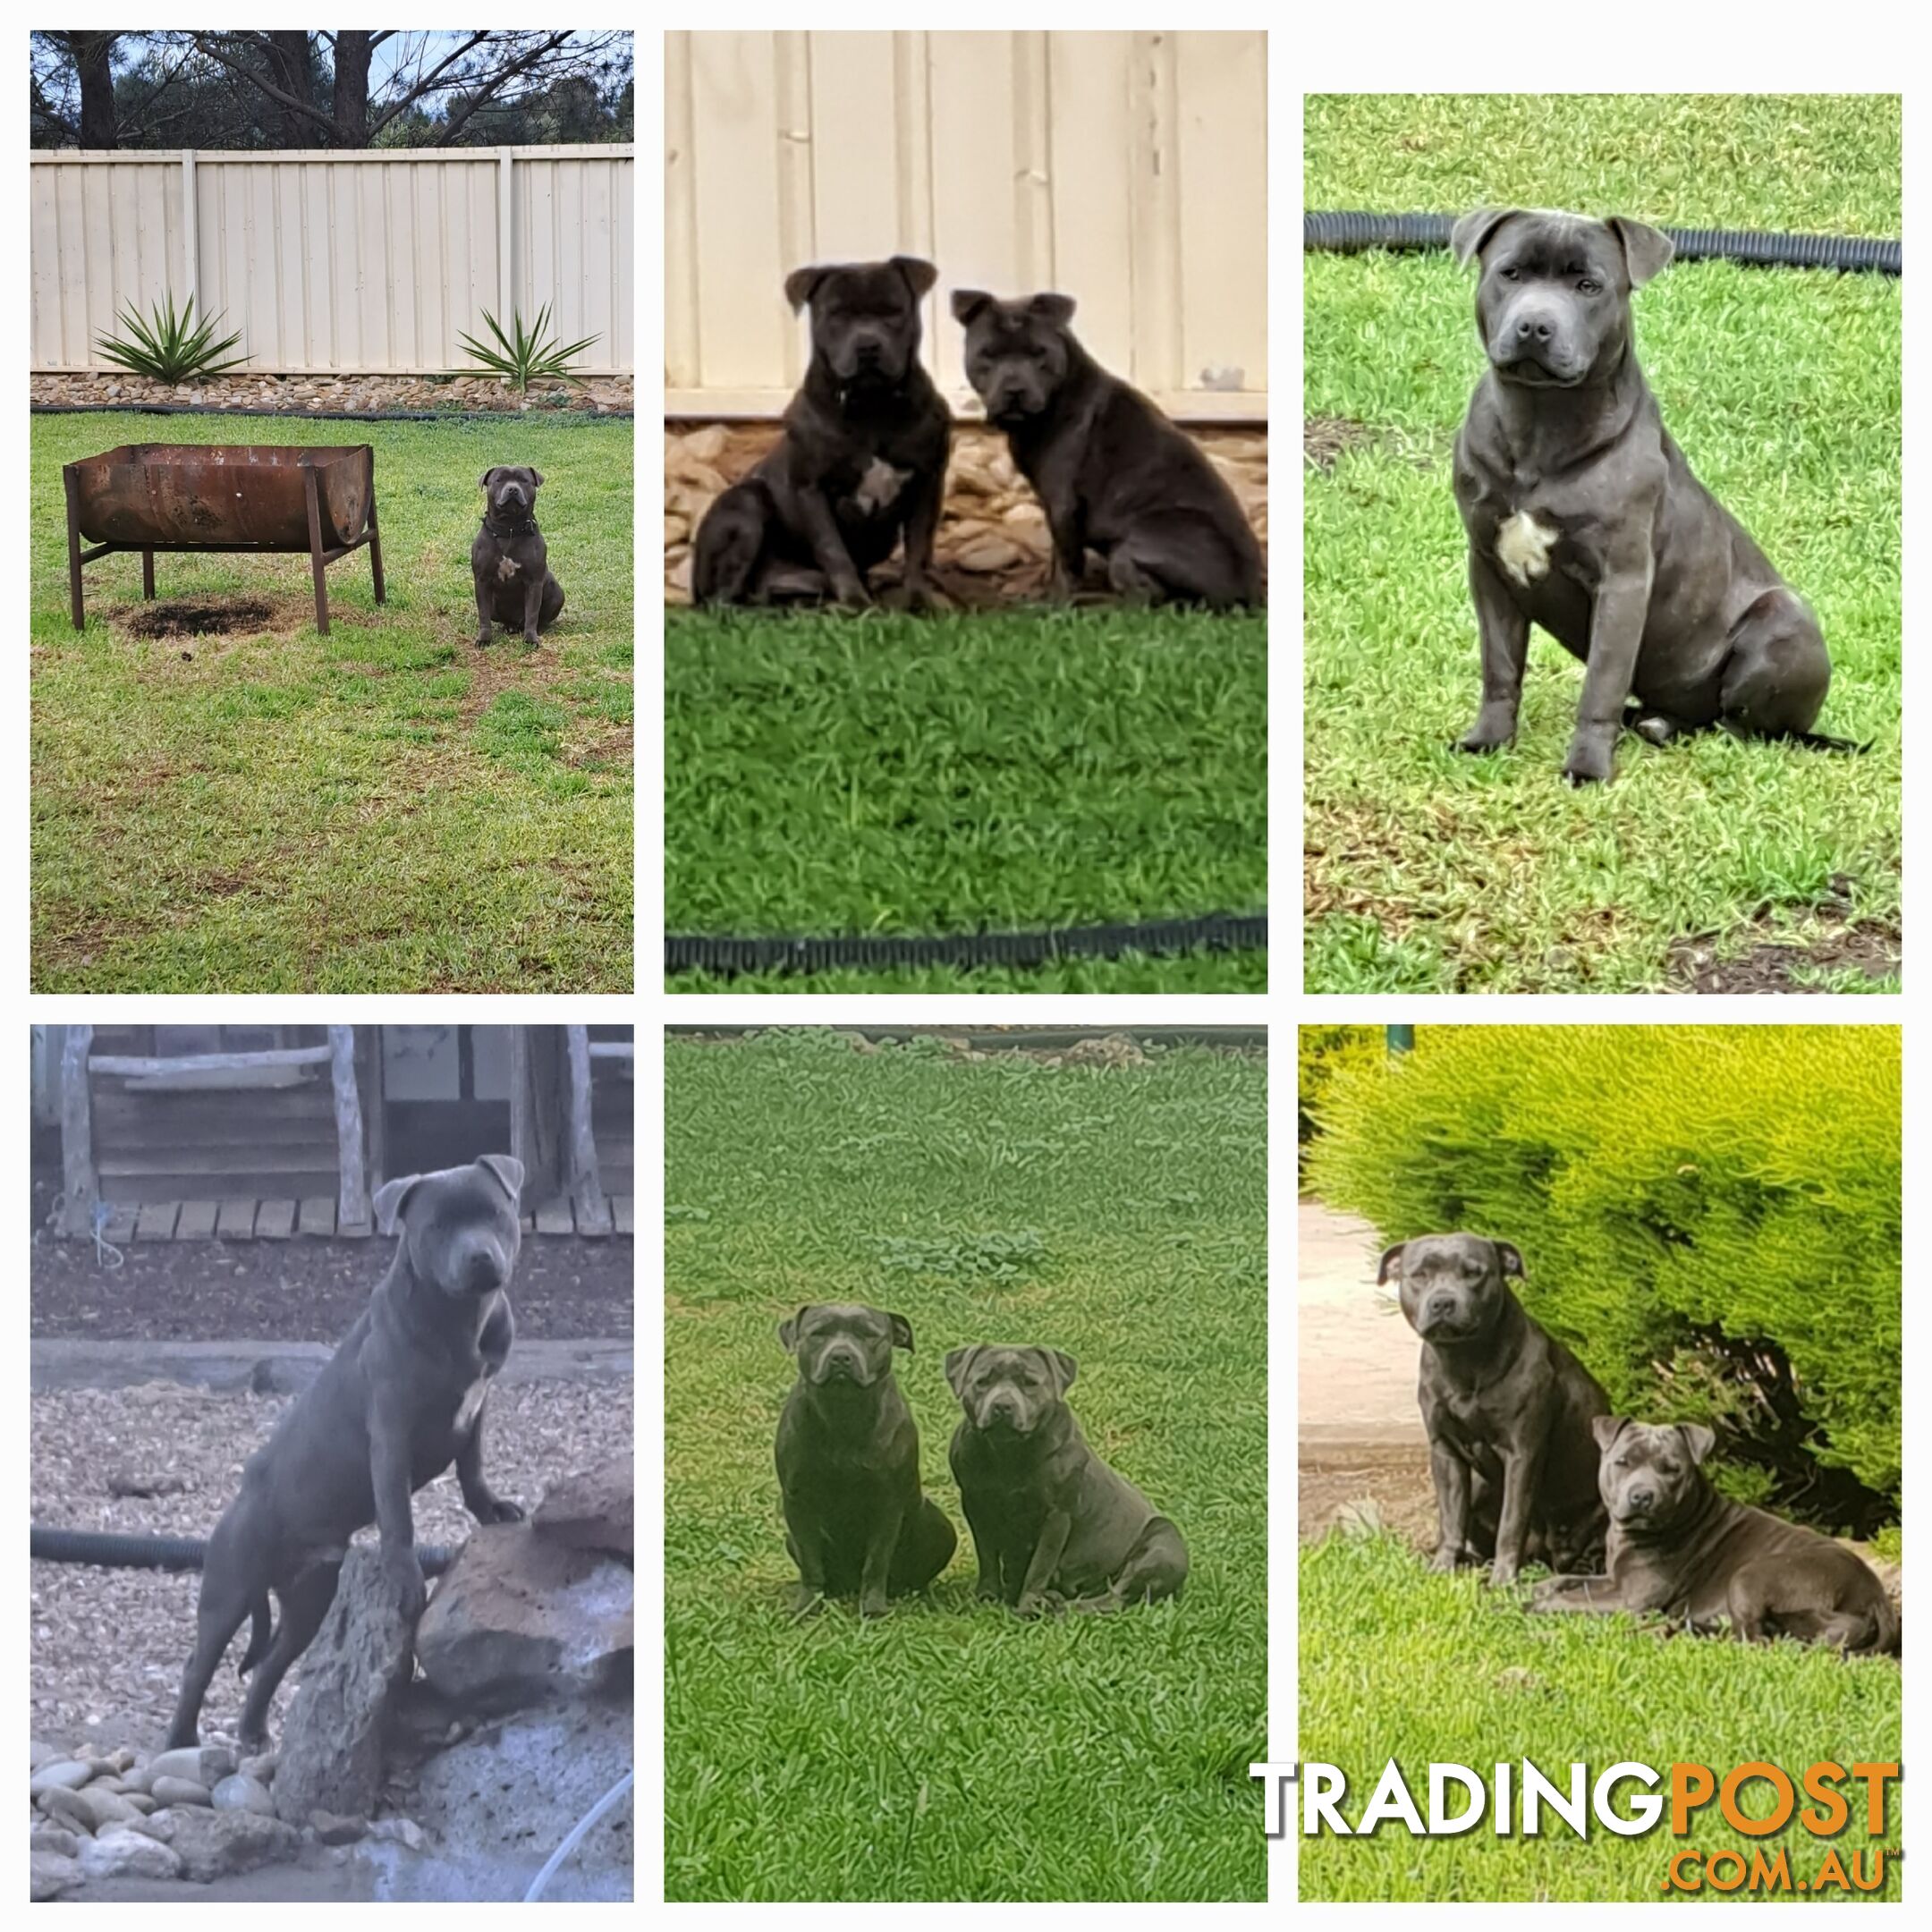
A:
(1584, 517)
(861, 463)
(399, 1402)
(1052, 1524)
(1112, 473)
(856, 1523)
(1507, 1410)
(1678, 1546)
(510, 562)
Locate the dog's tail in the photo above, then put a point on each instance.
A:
(1818, 741)
(259, 1636)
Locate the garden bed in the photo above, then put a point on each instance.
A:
(320, 393)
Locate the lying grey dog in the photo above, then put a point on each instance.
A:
(1584, 516)
(1051, 1522)
(1507, 1409)
(510, 562)
(848, 1463)
(1112, 473)
(1679, 1547)
(399, 1402)
(862, 462)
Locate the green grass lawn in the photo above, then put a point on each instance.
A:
(383, 809)
(827, 774)
(1429, 872)
(1398, 1664)
(951, 1752)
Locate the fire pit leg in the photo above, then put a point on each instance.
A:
(73, 545)
(375, 535)
(315, 549)
(147, 573)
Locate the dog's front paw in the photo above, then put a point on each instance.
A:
(1501, 1572)
(1031, 1605)
(502, 1510)
(1589, 763)
(530, 639)
(806, 1600)
(406, 1580)
(482, 640)
(872, 1603)
(1445, 1560)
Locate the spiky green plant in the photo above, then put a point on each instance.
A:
(527, 355)
(168, 347)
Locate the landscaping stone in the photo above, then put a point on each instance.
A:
(297, 395)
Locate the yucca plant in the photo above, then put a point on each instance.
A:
(168, 347)
(524, 356)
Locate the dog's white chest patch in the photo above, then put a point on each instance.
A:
(505, 568)
(880, 484)
(1523, 547)
(467, 1413)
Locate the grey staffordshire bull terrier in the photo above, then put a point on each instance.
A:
(862, 459)
(1051, 1522)
(848, 1463)
(399, 1402)
(1584, 516)
(1112, 473)
(1679, 1547)
(510, 561)
(1507, 1410)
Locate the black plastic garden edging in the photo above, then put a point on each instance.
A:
(1353, 234)
(1219, 932)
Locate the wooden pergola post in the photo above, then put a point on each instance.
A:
(81, 1184)
(352, 1197)
(586, 1187)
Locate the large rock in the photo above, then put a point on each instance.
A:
(595, 1509)
(212, 1844)
(519, 1616)
(330, 1755)
(64, 1774)
(129, 1854)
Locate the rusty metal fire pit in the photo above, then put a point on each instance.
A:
(267, 498)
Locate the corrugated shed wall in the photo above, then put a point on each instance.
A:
(1129, 171)
(366, 262)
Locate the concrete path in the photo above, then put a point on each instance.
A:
(1357, 1355)
(280, 1367)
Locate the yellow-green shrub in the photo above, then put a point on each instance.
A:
(1680, 1195)
(1323, 1051)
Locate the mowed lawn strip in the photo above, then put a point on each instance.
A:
(1399, 1664)
(828, 775)
(951, 1752)
(386, 808)
(1428, 871)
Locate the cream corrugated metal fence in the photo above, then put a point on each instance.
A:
(1129, 171)
(370, 262)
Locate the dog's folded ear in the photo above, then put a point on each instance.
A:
(919, 275)
(483, 481)
(1697, 1440)
(535, 476)
(1063, 1366)
(1606, 1429)
(789, 1328)
(1058, 310)
(802, 284)
(1391, 1258)
(902, 1332)
(508, 1170)
(958, 1364)
(1509, 1261)
(967, 302)
(1470, 235)
(1645, 249)
(390, 1199)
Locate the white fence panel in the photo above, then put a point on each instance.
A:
(366, 262)
(1127, 170)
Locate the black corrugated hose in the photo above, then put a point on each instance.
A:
(727, 957)
(1354, 234)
